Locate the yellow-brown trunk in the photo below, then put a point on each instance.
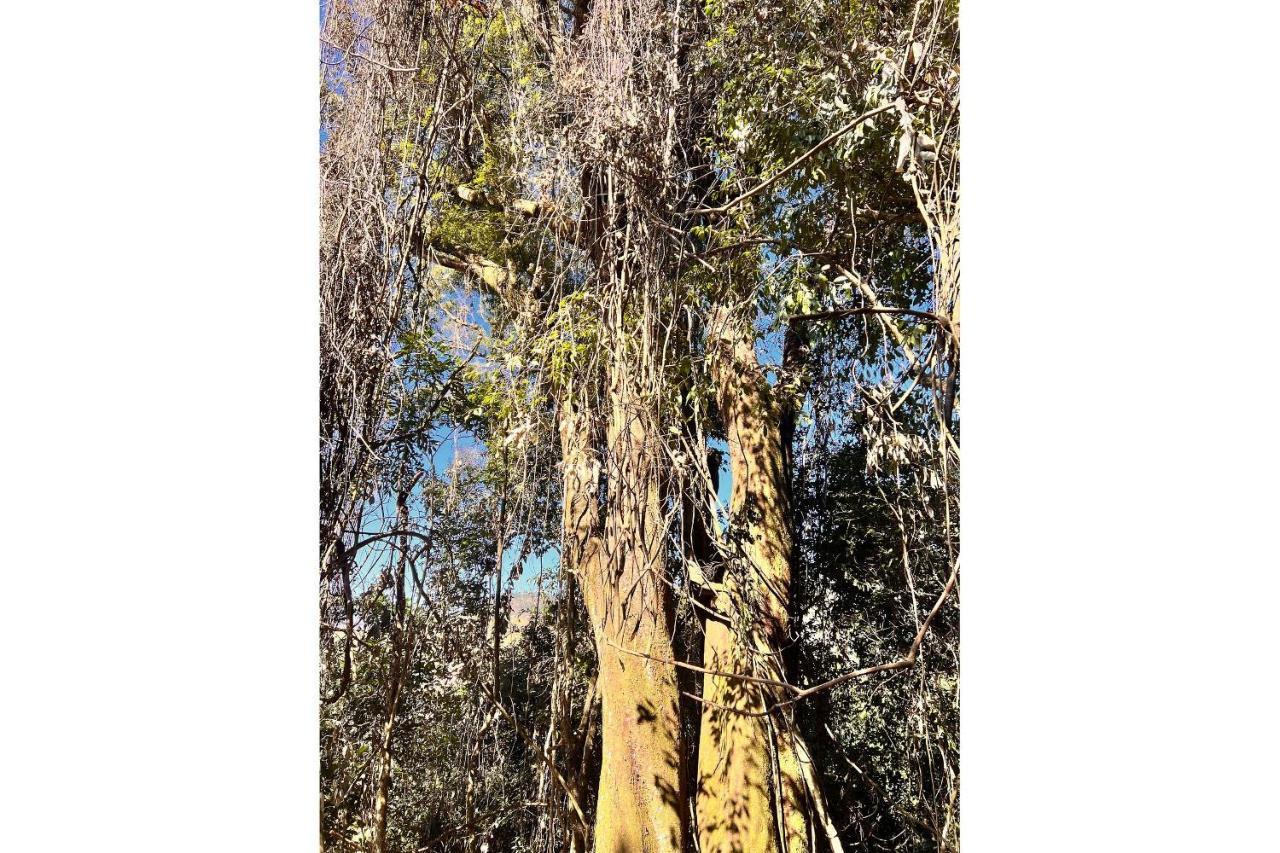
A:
(752, 796)
(620, 565)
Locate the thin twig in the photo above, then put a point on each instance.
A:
(832, 137)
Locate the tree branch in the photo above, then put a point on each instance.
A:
(799, 161)
(852, 312)
(798, 693)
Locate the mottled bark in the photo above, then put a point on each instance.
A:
(753, 795)
(618, 559)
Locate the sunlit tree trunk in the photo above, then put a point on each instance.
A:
(619, 562)
(753, 795)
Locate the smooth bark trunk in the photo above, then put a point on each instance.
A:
(619, 562)
(753, 795)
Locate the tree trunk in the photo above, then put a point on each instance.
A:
(398, 665)
(753, 795)
(383, 785)
(640, 804)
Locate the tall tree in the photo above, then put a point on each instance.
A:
(635, 207)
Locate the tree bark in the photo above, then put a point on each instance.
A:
(752, 795)
(619, 562)
(398, 665)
